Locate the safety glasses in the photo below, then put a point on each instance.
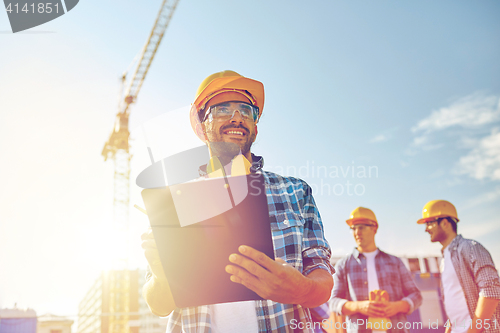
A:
(432, 223)
(226, 111)
(360, 227)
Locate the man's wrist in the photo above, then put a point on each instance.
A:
(306, 290)
(403, 306)
(350, 308)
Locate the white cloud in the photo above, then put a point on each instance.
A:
(477, 230)
(423, 142)
(473, 110)
(404, 164)
(379, 138)
(472, 115)
(483, 161)
(482, 199)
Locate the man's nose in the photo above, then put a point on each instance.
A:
(237, 117)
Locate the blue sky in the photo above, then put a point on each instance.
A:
(409, 88)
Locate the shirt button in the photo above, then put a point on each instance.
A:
(364, 269)
(366, 282)
(286, 222)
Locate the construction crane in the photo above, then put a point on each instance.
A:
(117, 147)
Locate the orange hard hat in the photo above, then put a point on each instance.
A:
(225, 86)
(362, 215)
(438, 208)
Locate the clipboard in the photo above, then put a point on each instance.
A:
(219, 215)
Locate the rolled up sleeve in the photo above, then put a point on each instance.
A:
(412, 294)
(485, 273)
(340, 288)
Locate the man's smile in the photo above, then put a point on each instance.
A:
(234, 132)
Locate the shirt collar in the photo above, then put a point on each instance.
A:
(356, 253)
(453, 245)
(257, 164)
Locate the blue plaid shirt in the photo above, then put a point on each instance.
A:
(351, 284)
(298, 239)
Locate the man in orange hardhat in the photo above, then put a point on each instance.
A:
(471, 284)
(368, 269)
(225, 113)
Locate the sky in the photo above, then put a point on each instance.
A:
(398, 100)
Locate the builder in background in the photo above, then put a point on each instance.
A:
(226, 110)
(470, 281)
(368, 269)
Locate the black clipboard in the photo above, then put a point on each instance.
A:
(219, 215)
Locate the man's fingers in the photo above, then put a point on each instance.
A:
(378, 314)
(149, 244)
(250, 266)
(281, 261)
(248, 280)
(240, 275)
(374, 310)
(147, 235)
(152, 256)
(378, 305)
(260, 258)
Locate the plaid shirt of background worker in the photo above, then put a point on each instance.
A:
(298, 238)
(351, 284)
(477, 275)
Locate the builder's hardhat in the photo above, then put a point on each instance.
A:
(438, 208)
(362, 215)
(225, 86)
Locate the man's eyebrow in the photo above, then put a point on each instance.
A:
(223, 104)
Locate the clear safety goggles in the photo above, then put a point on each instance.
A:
(433, 222)
(360, 227)
(226, 111)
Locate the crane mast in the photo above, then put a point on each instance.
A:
(117, 147)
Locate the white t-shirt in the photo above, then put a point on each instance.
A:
(371, 271)
(238, 317)
(454, 298)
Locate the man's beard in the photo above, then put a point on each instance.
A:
(228, 150)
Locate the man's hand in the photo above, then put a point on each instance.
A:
(370, 308)
(392, 308)
(482, 316)
(151, 254)
(275, 279)
(156, 290)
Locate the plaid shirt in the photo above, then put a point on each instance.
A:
(319, 314)
(477, 275)
(298, 238)
(351, 284)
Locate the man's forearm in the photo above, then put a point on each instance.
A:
(403, 306)
(158, 296)
(321, 288)
(350, 308)
(484, 310)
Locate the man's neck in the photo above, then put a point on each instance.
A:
(449, 238)
(226, 159)
(369, 248)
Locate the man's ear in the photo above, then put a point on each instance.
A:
(256, 131)
(445, 224)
